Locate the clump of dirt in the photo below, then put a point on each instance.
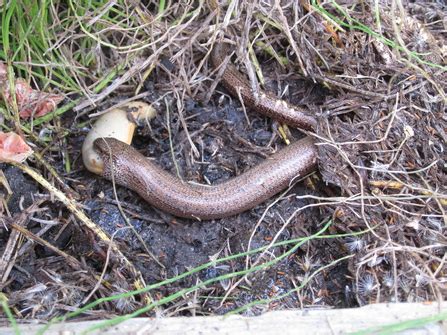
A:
(368, 227)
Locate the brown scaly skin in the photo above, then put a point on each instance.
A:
(266, 103)
(161, 189)
(168, 193)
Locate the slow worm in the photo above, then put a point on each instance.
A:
(120, 162)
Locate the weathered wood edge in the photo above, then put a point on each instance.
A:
(309, 321)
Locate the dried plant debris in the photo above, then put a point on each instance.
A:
(13, 148)
(369, 227)
(29, 102)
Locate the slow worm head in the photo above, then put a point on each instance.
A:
(119, 123)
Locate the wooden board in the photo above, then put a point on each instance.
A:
(327, 321)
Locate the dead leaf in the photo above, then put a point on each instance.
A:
(13, 148)
(30, 102)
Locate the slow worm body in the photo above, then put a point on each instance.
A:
(127, 167)
(264, 103)
(161, 189)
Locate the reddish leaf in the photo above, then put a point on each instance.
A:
(30, 102)
(13, 148)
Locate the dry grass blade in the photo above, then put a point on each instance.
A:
(75, 209)
(9, 255)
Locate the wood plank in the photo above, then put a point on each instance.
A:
(311, 321)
